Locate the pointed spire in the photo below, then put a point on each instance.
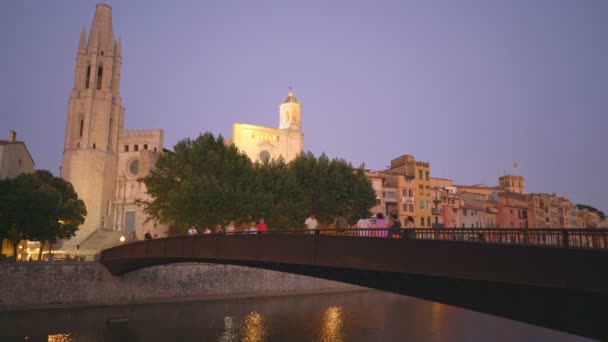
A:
(101, 36)
(290, 93)
(83, 39)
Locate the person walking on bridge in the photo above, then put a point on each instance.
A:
(311, 223)
(364, 225)
(262, 227)
(341, 223)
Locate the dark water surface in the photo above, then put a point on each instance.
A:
(355, 316)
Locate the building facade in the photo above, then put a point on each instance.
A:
(15, 159)
(104, 162)
(263, 143)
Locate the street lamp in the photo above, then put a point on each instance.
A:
(122, 238)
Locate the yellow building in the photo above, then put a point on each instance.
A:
(423, 184)
(412, 180)
(262, 143)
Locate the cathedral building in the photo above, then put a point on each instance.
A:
(106, 163)
(262, 143)
(103, 161)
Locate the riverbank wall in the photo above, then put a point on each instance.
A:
(33, 286)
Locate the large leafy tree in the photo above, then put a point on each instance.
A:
(332, 187)
(39, 207)
(206, 182)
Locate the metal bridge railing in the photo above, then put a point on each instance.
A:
(565, 238)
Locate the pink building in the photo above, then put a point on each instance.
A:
(512, 210)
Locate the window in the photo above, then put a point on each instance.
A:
(411, 208)
(421, 189)
(404, 192)
(421, 204)
(99, 76)
(155, 149)
(94, 145)
(378, 202)
(88, 78)
(405, 207)
(419, 174)
(427, 175)
(135, 148)
(410, 192)
(134, 166)
(145, 146)
(511, 211)
(126, 148)
(81, 126)
(421, 221)
(428, 190)
(428, 219)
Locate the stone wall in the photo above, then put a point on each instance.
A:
(28, 286)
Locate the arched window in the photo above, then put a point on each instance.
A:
(99, 76)
(81, 126)
(86, 83)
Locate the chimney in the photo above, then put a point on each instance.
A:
(12, 135)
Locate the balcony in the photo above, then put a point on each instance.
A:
(436, 211)
(492, 210)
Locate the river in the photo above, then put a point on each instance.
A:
(352, 316)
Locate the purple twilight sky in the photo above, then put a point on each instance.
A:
(470, 86)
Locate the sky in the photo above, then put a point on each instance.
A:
(471, 86)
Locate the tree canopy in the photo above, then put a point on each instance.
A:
(39, 207)
(205, 183)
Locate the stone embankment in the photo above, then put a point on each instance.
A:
(30, 286)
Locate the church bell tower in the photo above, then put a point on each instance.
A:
(94, 120)
(290, 113)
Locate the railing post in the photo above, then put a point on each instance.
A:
(565, 238)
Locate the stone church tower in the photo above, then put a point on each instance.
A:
(94, 122)
(262, 143)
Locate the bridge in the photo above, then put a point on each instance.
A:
(555, 278)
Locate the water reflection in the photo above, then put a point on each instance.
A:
(353, 317)
(60, 338)
(250, 329)
(332, 328)
(436, 319)
(253, 328)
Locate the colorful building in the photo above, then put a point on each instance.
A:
(512, 210)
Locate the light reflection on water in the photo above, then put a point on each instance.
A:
(436, 317)
(332, 328)
(60, 338)
(358, 316)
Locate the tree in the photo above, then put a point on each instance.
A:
(332, 187)
(205, 182)
(39, 207)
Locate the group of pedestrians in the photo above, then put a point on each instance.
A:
(230, 228)
(377, 226)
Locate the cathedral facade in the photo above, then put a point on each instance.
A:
(104, 162)
(262, 143)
